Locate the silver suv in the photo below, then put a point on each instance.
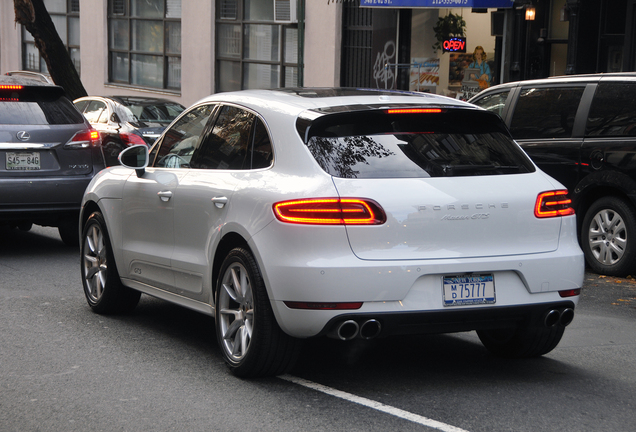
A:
(48, 155)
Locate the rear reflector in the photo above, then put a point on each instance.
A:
(330, 211)
(553, 204)
(570, 293)
(323, 306)
(414, 111)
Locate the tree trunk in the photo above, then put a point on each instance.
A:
(36, 19)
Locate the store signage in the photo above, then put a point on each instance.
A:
(437, 3)
(454, 44)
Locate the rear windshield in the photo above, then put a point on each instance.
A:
(452, 143)
(37, 106)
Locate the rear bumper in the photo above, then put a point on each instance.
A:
(451, 321)
(42, 201)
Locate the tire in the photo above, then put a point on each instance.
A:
(521, 342)
(103, 289)
(69, 232)
(608, 237)
(252, 343)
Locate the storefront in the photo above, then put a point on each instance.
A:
(454, 46)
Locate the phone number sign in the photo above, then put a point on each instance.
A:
(437, 3)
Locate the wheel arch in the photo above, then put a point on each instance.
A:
(228, 242)
(599, 185)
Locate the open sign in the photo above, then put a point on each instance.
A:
(454, 44)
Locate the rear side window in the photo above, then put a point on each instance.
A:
(613, 110)
(37, 106)
(545, 112)
(451, 143)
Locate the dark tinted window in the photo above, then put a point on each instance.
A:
(449, 144)
(262, 154)
(613, 110)
(545, 112)
(228, 144)
(493, 102)
(178, 144)
(37, 106)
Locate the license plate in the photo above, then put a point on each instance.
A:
(23, 161)
(470, 289)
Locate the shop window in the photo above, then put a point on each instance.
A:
(65, 17)
(546, 112)
(144, 43)
(254, 48)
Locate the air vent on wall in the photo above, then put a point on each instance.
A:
(285, 11)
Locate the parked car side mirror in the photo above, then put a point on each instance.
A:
(135, 157)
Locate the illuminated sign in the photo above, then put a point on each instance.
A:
(454, 44)
(438, 3)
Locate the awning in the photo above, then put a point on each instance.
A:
(437, 4)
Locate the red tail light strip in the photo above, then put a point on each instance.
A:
(330, 211)
(553, 204)
(10, 87)
(570, 292)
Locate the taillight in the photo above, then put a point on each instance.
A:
(330, 211)
(10, 87)
(84, 139)
(553, 204)
(131, 139)
(414, 111)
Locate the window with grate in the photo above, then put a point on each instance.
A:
(65, 17)
(256, 45)
(144, 43)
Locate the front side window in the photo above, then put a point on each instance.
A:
(256, 45)
(65, 17)
(178, 144)
(545, 112)
(144, 43)
(228, 144)
(613, 110)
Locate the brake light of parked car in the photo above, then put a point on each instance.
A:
(10, 87)
(131, 139)
(414, 111)
(330, 211)
(84, 139)
(553, 204)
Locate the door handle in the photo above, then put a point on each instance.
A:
(219, 202)
(165, 195)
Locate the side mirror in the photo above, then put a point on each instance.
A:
(135, 157)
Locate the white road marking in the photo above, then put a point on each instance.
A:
(373, 404)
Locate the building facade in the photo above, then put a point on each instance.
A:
(185, 50)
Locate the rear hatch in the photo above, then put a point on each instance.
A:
(452, 183)
(42, 135)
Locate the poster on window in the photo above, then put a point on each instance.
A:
(424, 72)
(470, 73)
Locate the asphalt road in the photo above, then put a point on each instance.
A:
(64, 368)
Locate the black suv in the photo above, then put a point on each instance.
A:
(581, 130)
(48, 155)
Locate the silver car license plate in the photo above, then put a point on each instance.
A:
(23, 161)
(471, 289)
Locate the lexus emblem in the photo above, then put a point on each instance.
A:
(23, 136)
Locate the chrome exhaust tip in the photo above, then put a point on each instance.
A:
(551, 318)
(567, 315)
(347, 330)
(370, 329)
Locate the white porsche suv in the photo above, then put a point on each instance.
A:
(294, 213)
